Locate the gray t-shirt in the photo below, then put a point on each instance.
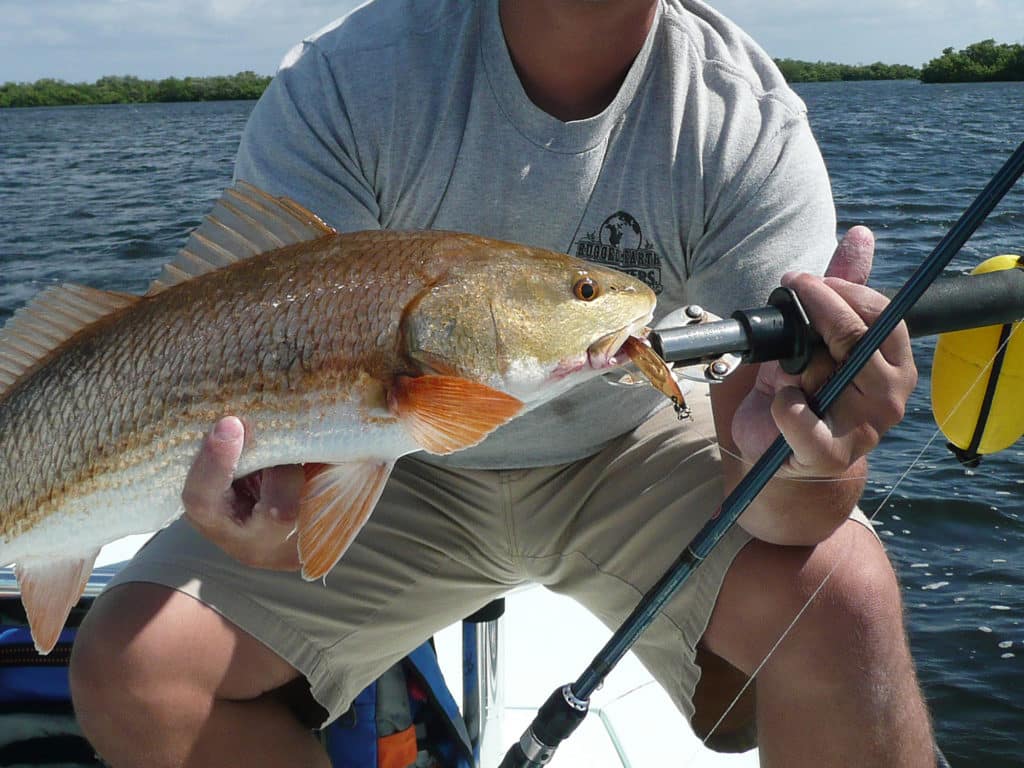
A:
(701, 177)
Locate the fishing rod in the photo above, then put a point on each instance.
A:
(567, 706)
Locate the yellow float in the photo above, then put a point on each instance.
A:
(978, 382)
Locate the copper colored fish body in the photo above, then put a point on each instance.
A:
(345, 350)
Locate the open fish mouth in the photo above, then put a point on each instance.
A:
(630, 345)
(614, 349)
(624, 347)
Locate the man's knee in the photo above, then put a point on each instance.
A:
(141, 632)
(132, 643)
(158, 679)
(844, 592)
(113, 643)
(856, 596)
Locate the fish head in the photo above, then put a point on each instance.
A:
(529, 322)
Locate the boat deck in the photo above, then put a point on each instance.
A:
(548, 640)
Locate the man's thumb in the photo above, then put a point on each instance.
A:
(853, 257)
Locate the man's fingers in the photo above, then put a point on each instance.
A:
(869, 304)
(838, 324)
(810, 438)
(281, 491)
(841, 312)
(209, 479)
(852, 259)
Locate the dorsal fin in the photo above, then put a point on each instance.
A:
(244, 222)
(52, 318)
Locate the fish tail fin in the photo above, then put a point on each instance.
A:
(49, 590)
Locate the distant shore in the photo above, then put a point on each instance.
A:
(985, 61)
(133, 90)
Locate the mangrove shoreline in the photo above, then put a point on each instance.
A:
(984, 61)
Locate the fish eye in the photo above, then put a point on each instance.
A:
(585, 289)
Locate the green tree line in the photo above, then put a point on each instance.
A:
(984, 61)
(979, 62)
(796, 71)
(133, 90)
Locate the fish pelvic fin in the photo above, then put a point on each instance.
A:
(336, 502)
(244, 222)
(445, 414)
(49, 590)
(38, 330)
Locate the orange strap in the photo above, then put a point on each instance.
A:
(397, 750)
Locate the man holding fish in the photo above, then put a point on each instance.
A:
(651, 135)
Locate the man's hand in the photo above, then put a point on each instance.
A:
(249, 518)
(754, 404)
(840, 308)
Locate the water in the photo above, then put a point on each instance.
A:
(106, 195)
(906, 159)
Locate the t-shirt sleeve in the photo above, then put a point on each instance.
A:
(299, 142)
(772, 213)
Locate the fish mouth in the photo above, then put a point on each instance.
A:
(607, 352)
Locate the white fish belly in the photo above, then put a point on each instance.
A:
(134, 501)
(345, 435)
(146, 496)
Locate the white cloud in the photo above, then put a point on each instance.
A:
(81, 40)
(85, 39)
(893, 31)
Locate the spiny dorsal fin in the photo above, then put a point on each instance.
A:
(244, 222)
(52, 318)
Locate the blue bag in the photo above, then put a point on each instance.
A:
(406, 719)
(37, 724)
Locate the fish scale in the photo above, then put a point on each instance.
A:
(341, 351)
(142, 372)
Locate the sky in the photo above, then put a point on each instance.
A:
(82, 40)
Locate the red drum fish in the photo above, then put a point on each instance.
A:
(346, 350)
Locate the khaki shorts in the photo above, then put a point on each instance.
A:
(442, 543)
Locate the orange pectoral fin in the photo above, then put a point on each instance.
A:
(445, 414)
(336, 502)
(49, 590)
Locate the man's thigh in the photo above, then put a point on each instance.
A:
(426, 558)
(149, 630)
(619, 520)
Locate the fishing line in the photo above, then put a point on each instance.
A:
(567, 706)
(748, 463)
(803, 609)
(978, 380)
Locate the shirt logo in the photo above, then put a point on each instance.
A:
(619, 243)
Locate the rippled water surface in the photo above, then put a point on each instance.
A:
(105, 195)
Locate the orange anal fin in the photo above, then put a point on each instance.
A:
(311, 469)
(335, 504)
(49, 590)
(445, 414)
